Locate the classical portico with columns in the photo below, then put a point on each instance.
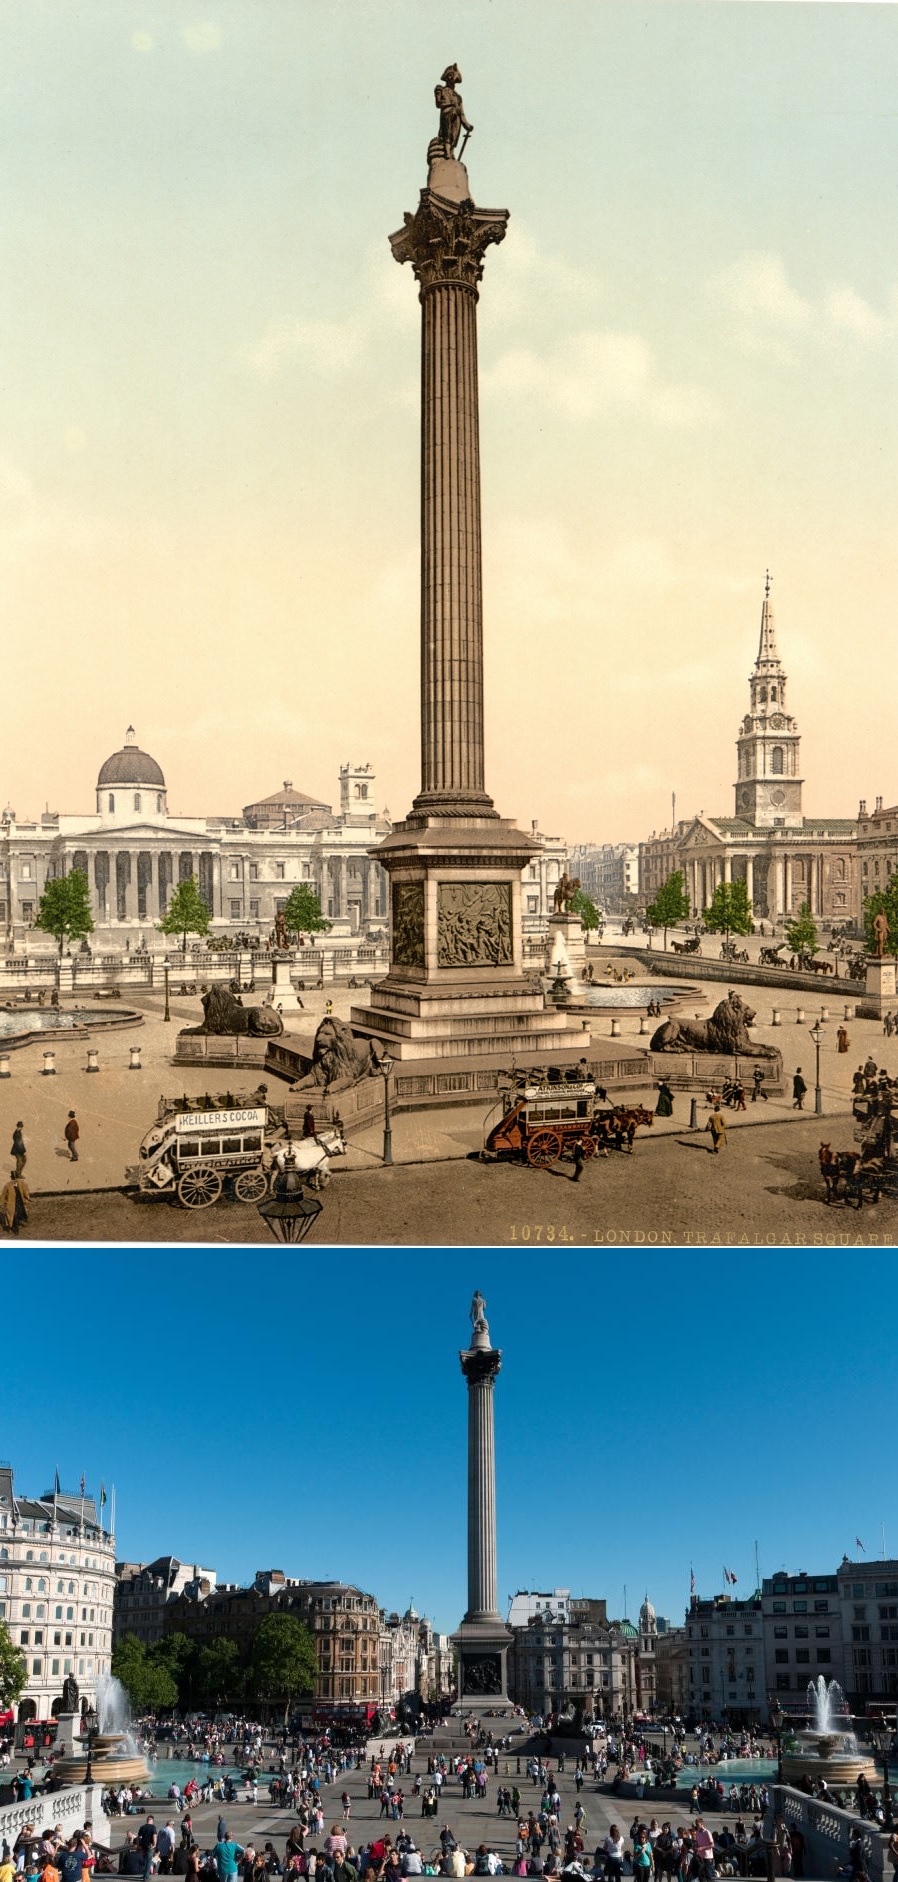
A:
(784, 857)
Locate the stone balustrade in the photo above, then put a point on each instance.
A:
(72, 1808)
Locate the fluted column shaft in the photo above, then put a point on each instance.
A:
(451, 577)
(480, 1368)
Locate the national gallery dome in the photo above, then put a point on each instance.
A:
(131, 773)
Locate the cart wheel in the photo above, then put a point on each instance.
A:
(543, 1148)
(589, 1147)
(251, 1185)
(199, 1187)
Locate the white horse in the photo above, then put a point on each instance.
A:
(310, 1156)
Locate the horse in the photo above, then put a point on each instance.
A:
(311, 1155)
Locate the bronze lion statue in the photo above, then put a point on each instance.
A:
(223, 1013)
(726, 1032)
(339, 1059)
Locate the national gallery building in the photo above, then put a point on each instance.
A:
(134, 853)
(784, 857)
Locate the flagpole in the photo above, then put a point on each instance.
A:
(757, 1569)
(112, 1515)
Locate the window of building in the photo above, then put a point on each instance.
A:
(254, 911)
(776, 761)
(781, 1633)
(782, 1682)
(821, 1633)
(801, 1633)
(821, 1607)
(781, 1655)
(137, 800)
(824, 1656)
(779, 1607)
(799, 1607)
(254, 872)
(111, 800)
(802, 1655)
(235, 908)
(279, 871)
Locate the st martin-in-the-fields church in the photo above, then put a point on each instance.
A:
(785, 857)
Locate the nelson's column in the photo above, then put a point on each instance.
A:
(482, 1640)
(456, 985)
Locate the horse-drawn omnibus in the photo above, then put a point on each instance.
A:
(193, 1149)
(542, 1123)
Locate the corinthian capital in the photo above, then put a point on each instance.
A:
(446, 243)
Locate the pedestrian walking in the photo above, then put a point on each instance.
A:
(757, 1081)
(14, 1199)
(579, 1159)
(71, 1134)
(717, 1126)
(18, 1148)
(842, 1037)
(798, 1091)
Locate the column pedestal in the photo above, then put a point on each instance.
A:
(880, 989)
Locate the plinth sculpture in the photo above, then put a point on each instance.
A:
(456, 985)
(482, 1640)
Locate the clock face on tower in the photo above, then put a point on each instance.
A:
(744, 799)
(777, 721)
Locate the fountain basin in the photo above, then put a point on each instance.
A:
(113, 1762)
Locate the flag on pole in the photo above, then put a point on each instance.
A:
(82, 1483)
(691, 1579)
(102, 1494)
(859, 1545)
(730, 1577)
(57, 1486)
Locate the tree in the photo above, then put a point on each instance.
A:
(147, 1681)
(177, 1655)
(584, 906)
(730, 910)
(13, 1670)
(302, 911)
(283, 1662)
(670, 905)
(887, 900)
(219, 1676)
(187, 913)
(64, 908)
(801, 934)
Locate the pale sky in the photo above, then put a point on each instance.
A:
(209, 414)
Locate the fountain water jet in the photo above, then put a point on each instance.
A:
(828, 1749)
(114, 1754)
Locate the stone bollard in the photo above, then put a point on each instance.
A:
(693, 1114)
(776, 1021)
(93, 1058)
(4, 1065)
(824, 1012)
(49, 1070)
(849, 1011)
(643, 1022)
(135, 1065)
(615, 1029)
(799, 1016)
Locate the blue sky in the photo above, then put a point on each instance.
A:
(209, 428)
(654, 1409)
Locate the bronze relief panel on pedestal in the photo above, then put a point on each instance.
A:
(474, 924)
(408, 924)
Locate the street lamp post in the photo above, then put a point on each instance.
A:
(818, 1036)
(777, 1720)
(386, 1067)
(167, 1013)
(883, 1741)
(88, 1769)
(290, 1214)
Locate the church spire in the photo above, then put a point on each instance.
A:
(767, 650)
(768, 786)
